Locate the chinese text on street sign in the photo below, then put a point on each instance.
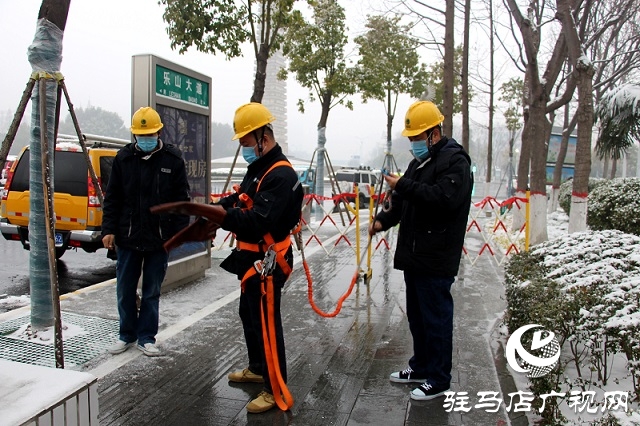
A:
(182, 87)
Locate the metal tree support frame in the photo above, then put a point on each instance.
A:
(42, 77)
(332, 179)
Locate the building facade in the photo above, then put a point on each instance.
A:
(275, 98)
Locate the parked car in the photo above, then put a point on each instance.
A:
(77, 207)
(364, 178)
(5, 170)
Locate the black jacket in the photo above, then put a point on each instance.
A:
(276, 209)
(135, 185)
(431, 201)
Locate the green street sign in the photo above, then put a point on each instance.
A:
(182, 87)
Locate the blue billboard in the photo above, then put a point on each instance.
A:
(552, 157)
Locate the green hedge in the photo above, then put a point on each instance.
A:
(615, 205)
(585, 287)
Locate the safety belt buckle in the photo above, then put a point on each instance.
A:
(259, 267)
(269, 262)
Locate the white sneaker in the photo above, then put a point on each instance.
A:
(426, 392)
(119, 347)
(406, 376)
(149, 349)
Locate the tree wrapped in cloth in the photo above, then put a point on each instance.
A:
(45, 57)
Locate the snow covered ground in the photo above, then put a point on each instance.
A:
(8, 303)
(609, 261)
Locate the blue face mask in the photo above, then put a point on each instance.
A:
(420, 150)
(249, 154)
(147, 143)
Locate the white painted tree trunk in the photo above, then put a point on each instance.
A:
(553, 204)
(519, 213)
(578, 214)
(538, 219)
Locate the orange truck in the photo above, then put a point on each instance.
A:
(78, 212)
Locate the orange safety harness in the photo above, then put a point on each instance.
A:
(274, 253)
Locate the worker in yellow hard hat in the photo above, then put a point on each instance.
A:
(431, 202)
(145, 126)
(144, 173)
(262, 213)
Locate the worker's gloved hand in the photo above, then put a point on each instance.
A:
(200, 230)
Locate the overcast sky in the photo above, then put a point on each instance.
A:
(101, 37)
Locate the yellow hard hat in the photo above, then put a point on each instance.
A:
(145, 121)
(250, 117)
(421, 116)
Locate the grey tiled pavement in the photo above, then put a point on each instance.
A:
(338, 368)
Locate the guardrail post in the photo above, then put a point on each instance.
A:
(357, 203)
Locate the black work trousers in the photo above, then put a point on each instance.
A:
(250, 315)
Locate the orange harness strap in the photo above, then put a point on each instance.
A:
(281, 393)
(280, 248)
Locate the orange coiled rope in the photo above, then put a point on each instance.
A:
(341, 300)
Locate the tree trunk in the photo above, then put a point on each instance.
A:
(45, 54)
(567, 127)
(320, 166)
(490, 142)
(321, 150)
(578, 214)
(448, 78)
(465, 76)
(614, 167)
(539, 129)
(55, 11)
(261, 73)
(491, 96)
(326, 107)
(389, 121)
(583, 71)
(510, 188)
(522, 182)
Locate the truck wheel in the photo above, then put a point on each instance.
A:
(361, 201)
(60, 251)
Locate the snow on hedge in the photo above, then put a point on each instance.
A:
(585, 287)
(587, 258)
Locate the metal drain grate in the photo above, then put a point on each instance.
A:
(99, 334)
